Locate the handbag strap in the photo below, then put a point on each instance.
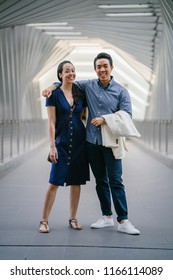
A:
(66, 121)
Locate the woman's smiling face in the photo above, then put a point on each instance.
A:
(68, 74)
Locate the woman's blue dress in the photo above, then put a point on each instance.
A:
(72, 166)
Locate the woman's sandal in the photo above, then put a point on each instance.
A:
(44, 227)
(73, 223)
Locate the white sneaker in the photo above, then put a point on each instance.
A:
(127, 227)
(103, 222)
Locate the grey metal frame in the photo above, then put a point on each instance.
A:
(18, 137)
(157, 136)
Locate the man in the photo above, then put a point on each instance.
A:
(105, 96)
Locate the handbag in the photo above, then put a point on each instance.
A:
(60, 130)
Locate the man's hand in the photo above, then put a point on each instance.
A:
(48, 91)
(98, 121)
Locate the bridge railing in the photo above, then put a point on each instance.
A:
(157, 136)
(19, 136)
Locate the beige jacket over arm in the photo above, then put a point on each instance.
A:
(118, 126)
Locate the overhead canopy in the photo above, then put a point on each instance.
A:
(132, 27)
(79, 29)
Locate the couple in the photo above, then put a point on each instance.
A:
(71, 155)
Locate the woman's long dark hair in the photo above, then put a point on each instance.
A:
(76, 92)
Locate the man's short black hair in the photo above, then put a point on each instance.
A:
(103, 55)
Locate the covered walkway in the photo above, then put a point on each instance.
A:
(35, 36)
(149, 192)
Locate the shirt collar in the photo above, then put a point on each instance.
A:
(107, 84)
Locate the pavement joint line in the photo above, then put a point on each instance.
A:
(89, 246)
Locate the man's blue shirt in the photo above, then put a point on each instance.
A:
(102, 101)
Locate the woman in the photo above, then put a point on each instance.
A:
(68, 152)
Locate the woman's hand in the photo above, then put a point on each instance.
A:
(53, 154)
(98, 121)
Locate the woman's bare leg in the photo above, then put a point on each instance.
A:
(74, 202)
(48, 203)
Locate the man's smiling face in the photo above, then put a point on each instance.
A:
(103, 70)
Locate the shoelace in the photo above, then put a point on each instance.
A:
(101, 219)
(130, 225)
